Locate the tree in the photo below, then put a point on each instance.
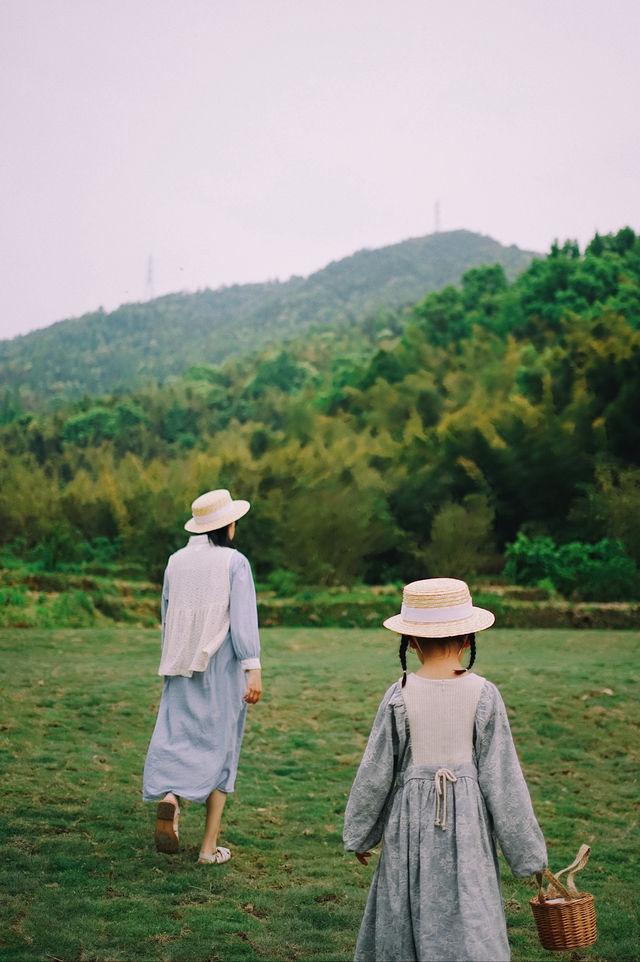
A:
(462, 543)
(441, 316)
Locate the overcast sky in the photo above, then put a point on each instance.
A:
(226, 141)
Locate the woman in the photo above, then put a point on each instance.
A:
(211, 667)
(441, 780)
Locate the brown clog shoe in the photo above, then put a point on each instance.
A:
(166, 834)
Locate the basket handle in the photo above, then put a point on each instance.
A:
(553, 881)
(577, 865)
(570, 892)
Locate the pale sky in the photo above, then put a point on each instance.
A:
(242, 140)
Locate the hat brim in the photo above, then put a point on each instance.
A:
(477, 621)
(235, 511)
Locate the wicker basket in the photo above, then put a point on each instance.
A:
(569, 921)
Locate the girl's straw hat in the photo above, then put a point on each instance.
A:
(214, 510)
(438, 608)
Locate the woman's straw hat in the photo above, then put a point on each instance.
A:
(438, 608)
(214, 510)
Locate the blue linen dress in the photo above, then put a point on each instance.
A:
(196, 741)
(435, 894)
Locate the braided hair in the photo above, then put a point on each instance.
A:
(472, 648)
(471, 638)
(404, 644)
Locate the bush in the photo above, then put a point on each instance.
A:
(112, 606)
(590, 572)
(73, 609)
(12, 553)
(14, 596)
(283, 582)
(60, 550)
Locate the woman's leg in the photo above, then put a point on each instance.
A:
(215, 805)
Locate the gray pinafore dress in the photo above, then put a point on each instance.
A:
(435, 894)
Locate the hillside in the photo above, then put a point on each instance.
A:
(100, 352)
(505, 411)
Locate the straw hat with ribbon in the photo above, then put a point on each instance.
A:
(438, 608)
(214, 510)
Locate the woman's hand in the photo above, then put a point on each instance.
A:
(254, 686)
(363, 856)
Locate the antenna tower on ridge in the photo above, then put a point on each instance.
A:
(149, 285)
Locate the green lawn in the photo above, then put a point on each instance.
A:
(79, 876)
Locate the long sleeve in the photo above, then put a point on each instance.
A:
(243, 613)
(504, 788)
(366, 811)
(164, 604)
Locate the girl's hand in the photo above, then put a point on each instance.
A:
(254, 686)
(363, 856)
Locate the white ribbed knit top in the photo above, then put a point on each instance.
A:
(441, 716)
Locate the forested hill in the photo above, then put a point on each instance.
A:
(495, 414)
(100, 352)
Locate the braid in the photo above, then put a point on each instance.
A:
(472, 648)
(404, 644)
(471, 639)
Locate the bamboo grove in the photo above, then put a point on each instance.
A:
(417, 441)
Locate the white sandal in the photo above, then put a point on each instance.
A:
(219, 856)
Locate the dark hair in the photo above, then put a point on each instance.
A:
(435, 643)
(220, 537)
(404, 644)
(472, 649)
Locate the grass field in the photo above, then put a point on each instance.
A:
(79, 876)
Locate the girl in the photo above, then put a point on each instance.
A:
(441, 779)
(211, 667)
